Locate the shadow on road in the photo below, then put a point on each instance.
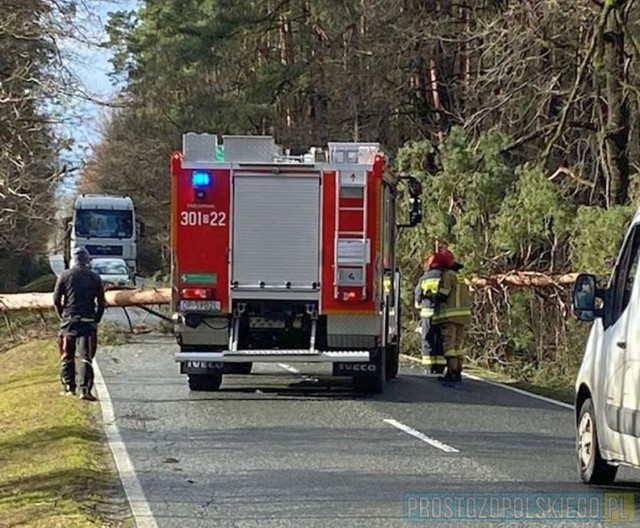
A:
(407, 388)
(413, 385)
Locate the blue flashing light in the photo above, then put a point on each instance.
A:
(201, 179)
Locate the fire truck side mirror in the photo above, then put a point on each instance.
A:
(415, 187)
(415, 201)
(415, 213)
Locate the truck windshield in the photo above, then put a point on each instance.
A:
(104, 223)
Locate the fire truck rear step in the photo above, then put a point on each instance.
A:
(300, 356)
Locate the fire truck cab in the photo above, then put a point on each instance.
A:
(285, 259)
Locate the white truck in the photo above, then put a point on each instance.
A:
(607, 403)
(106, 226)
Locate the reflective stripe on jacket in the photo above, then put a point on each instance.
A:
(429, 282)
(434, 360)
(457, 307)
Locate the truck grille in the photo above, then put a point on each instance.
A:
(113, 251)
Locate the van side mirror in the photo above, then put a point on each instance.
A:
(584, 297)
(415, 201)
(142, 228)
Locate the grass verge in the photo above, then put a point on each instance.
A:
(56, 468)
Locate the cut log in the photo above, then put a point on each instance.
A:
(44, 301)
(522, 279)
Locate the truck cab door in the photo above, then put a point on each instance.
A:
(619, 359)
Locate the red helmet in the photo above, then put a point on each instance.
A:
(434, 261)
(446, 258)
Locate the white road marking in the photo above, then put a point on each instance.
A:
(137, 501)
(520, 391)
(503, 386)
(289, 368)
(421, 436)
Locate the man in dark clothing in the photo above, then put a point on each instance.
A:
(79, 301)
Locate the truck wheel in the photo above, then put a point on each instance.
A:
(204, 382)
(240, 368)
(393, 361)
(374, 384)
(592, 467)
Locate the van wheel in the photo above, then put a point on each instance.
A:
(592, 467)
(204, 382)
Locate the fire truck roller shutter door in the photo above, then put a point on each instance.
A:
(276, 230)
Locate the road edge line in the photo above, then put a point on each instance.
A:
(503, 386)
(421, 436)
(140, 508)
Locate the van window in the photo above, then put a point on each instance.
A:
(625, 275)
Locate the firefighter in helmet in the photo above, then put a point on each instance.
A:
(452, 315)
(425, 301)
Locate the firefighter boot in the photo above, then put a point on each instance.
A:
(449, 379)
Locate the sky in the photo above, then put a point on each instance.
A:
(90, 64)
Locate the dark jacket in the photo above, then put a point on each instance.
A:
(79, 294)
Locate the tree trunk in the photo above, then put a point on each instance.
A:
(611, 76)
(44, 301)
(286, 58)
(522, 279)
(617, 127)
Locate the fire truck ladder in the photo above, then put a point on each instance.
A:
(351, 247)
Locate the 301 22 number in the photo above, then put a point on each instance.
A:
(198, 218)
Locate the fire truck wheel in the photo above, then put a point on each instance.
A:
(204, 382)
(374, 384)
(241, 368)
(393, 362)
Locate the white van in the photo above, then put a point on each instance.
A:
(607, 402)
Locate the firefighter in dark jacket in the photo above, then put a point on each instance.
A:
(425, 292)
(79, 301)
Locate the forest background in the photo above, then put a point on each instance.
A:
(519, 117)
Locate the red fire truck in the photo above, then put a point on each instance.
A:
(285, 259)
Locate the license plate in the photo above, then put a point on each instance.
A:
(200, 306)
(264, 322)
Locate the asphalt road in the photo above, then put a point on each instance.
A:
(278, 448)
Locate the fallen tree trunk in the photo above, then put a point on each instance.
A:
(142, 297)
(44, 301)
(522, 279)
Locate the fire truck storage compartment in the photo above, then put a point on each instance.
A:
(276, 230)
